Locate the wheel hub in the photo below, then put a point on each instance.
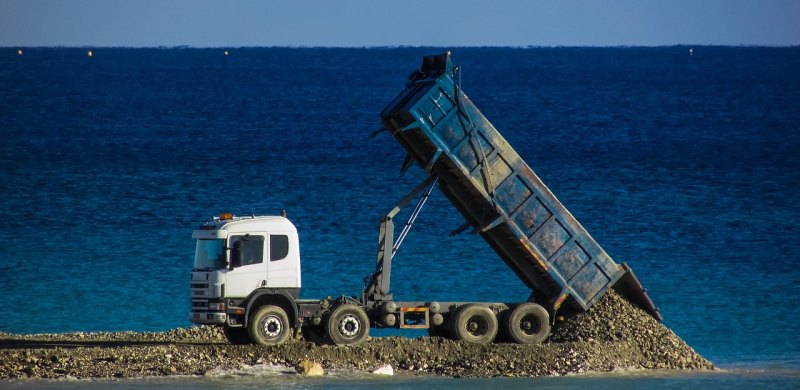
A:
(477, 326)
(529, 324)
(349, 326)
(272, 326)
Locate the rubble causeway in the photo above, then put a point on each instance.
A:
(612, 336)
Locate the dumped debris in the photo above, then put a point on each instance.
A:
(612, 336)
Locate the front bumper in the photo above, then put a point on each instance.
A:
(207, 305)
(198, 317)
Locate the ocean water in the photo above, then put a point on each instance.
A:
(686, 167)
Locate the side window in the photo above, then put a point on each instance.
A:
(278, 247)
(247, 250)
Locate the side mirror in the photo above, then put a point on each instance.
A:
(236, 255)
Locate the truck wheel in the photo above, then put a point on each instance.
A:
(347, 324)
(438, 331)
(475, 324)
(236, 336)
(269, 326)
(314, 334)
(528, 323)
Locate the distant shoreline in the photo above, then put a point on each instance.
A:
(681, 45)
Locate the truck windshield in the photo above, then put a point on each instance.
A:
(209, 255)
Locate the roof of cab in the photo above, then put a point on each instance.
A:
(254, 223)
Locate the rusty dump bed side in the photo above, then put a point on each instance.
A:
(500, 196)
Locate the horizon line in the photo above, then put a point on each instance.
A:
(396, 46)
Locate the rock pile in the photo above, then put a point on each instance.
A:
(614, 335)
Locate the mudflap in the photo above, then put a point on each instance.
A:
(629, 287)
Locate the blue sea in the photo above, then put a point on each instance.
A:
(685, 166)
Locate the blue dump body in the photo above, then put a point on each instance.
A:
(501, 197)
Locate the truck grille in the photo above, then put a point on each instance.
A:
(200, 290)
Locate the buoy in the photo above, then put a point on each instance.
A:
(226, 52)
(19, 52)
(90, 53)
(691, 51)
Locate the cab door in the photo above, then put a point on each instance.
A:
(284, 261)
(248, 258)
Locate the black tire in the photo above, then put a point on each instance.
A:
(269, 326)
(314, 334)
(347, 325)
(438, 331)
(236, 336)
(528, 323)
(475, 324)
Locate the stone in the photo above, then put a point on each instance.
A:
(309, 368)
(384, 369)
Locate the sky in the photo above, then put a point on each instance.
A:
(357, 23)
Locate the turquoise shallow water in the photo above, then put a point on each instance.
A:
(684, 166)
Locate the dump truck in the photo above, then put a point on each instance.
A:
(247, 278)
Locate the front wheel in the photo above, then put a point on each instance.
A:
(347, 324)
(269, 326)
(236, 336)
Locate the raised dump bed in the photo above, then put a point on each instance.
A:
(500, 195)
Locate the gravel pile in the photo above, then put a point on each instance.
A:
(613, 336)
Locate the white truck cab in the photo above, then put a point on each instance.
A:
(246, 278)
(237, 258)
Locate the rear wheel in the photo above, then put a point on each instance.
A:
(438, 331)
(528, 323)
(269, 326)
(236, 336)
(475, 324)
(347, 324)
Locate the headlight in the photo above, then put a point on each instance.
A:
(216, 306)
